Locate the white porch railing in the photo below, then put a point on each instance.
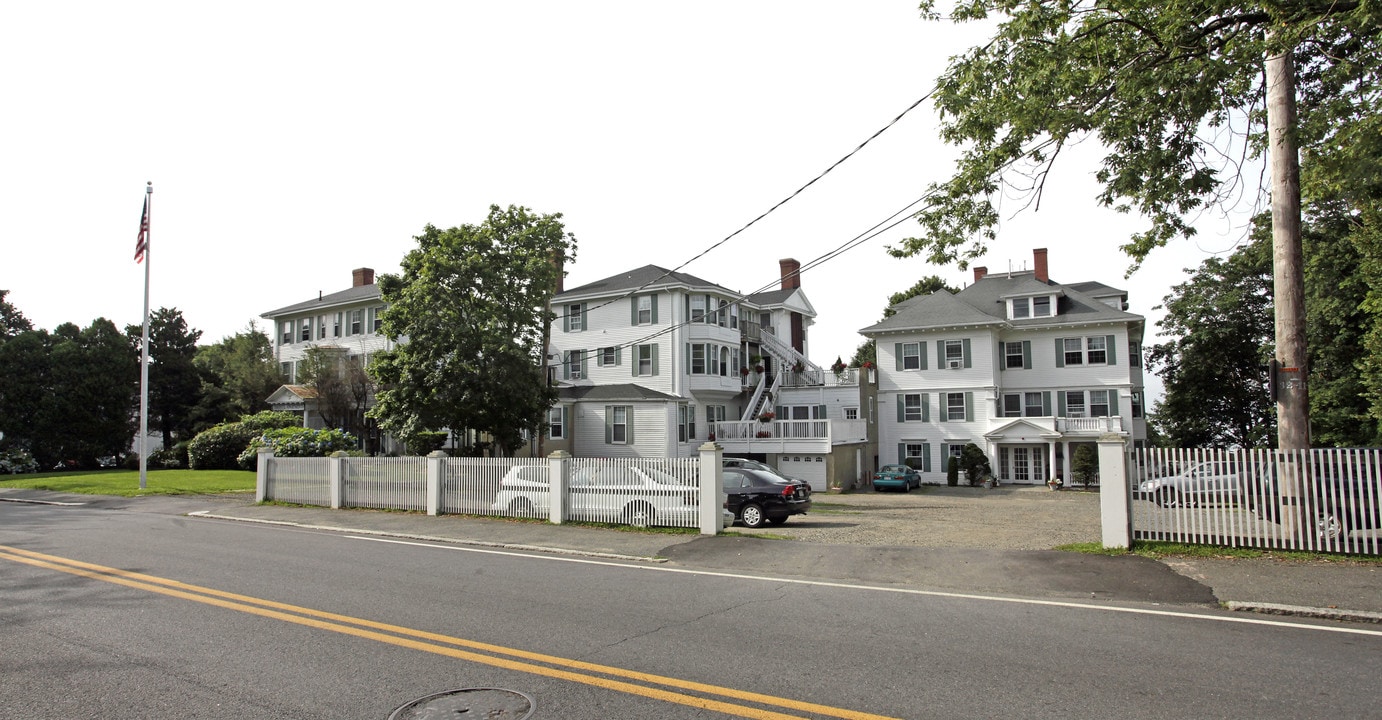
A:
(751, 429)
(1091, 425)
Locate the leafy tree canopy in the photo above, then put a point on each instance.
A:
(12, 322)
(1173, 92)
(473, 303)
(174, 380)
(239, 375)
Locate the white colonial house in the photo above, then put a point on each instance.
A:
(347, 322)
(1022, 366)
(653, 363)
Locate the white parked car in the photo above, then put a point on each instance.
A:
(1218, 481)
(618, 494)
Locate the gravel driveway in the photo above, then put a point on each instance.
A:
(1013, 517)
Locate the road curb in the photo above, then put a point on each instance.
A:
(433, 538)
(1302, 611)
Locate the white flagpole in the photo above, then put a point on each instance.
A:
(144, 359)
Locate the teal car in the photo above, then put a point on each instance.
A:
(896, 477)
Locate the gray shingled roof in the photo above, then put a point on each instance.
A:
(983, 303)
(620, 391)
(648, 275)
(344, 297)
(771, 297)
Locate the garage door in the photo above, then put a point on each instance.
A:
(810, 468)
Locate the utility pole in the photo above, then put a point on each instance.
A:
(1288, 284)
(1288, 290)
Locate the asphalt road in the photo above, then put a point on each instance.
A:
(228, 620)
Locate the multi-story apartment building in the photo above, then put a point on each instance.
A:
(653, 363)
(1016, 363)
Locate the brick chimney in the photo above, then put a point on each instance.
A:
(790, 277)
(362, 276)
(980, 272)
(1039, 264)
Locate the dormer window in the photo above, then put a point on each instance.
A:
(1029, 307)
(1041, 306)
(1021, 308)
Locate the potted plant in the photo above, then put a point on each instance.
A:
(838, 367)
(763, 434)
(711, 436)
(1054, 483)
(799, 366)
(767, 416)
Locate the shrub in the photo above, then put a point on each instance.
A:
(17, 460)
(219, 448)
(173, 458)
(424, 442)
(952, 472)
(297, 442)
(131, 461)
(271, 420)
(975, 463)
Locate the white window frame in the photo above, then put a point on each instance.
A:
(645, 364)
(336, 325)
(575, 319)
(1096, 350)
(1073, 351)
(958, 354)
(619, 431)
(286, 328)
(1041, 306)
(573, 364)
(698, 349)
(1075, 395)
(305, 329)
(911, 356)
(1021, 308)
(950, 408)
(698, 309)
(357, 322)
(1032, 401)
(645, 309)
(607, 356)
(556, 423)
(1009, 355)
(911, 411)
(851, 413)
(1093, 404)
(1016, 399)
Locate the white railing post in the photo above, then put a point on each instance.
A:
(435, 467)
(337, 468)
(261, 480)
(558, 476)
(1115, 492)
(712, 492)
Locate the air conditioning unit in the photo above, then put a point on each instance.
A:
(954, 364)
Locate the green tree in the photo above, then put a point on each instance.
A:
(1084, 466)
(1170, 91)
(174, 380)
(238, 375)
(1220, 325)
(92, 411)
(26, 364)
(12, 322)
(473, 302)
(342, 386)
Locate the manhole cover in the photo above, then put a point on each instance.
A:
(468, 703)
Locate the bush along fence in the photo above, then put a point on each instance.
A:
(671, 492)
(1319, 500)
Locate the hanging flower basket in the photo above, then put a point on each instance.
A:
(744, 371)
(766, 417)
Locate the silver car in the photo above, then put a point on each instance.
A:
(1217, 481)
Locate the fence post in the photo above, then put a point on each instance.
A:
(712, 490)
(261, 480)
(1115, 492)
(559, 478)
(435, 460)
(337, 473)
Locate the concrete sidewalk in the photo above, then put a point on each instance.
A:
(1333, 589)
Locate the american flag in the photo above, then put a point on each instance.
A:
(142, 243)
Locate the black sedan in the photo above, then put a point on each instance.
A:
(756, 496)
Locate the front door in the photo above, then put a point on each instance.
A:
(1022, 463)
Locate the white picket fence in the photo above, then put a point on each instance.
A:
(672, 492)
(1322, 500)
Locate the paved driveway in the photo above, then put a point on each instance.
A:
(1012, 517)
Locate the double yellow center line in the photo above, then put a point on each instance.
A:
(602, 676)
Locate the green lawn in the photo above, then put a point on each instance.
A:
(125, 483)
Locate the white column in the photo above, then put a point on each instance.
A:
(712, 490)
(435, 461)
(261, 480)
(1115, 492)
(559, 477)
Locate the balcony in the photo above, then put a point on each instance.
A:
(779, 436)
(1067, 426)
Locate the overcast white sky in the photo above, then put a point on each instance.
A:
(289, 143)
